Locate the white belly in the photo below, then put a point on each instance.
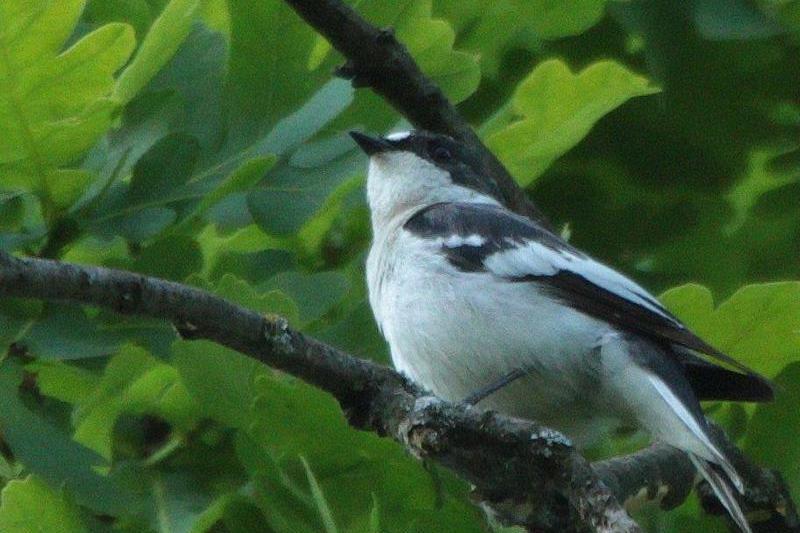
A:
(456, 332)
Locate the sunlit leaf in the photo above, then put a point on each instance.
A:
(759, 325)
(133, 383)
(30, 506)
(67, 185)
(555, 109)
(158, 46)
(54, 105)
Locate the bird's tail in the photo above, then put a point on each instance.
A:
(724, 488)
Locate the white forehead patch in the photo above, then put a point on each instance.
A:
(398, 136)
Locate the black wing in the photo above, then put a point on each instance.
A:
(516, 249)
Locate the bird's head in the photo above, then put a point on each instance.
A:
(417, 168)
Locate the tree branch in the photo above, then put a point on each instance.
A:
(526, 474)
(376, 59)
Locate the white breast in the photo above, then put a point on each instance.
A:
(455, 332)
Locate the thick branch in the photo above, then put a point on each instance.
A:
(527, 474)
(377, 60)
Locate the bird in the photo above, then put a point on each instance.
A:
(480, 304)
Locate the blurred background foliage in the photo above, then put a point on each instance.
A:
(205, 141)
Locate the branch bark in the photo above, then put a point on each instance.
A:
(526, 474)
(375, 58)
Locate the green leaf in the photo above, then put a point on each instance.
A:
(552, 19)
(315, 294)
(30, 506)
(138, 226)
(268, 77)
(253, 267)
(177, 502)
(220, 380)
(758, 180)
(12, 210)
(145, 121)
(732, 19)
(319, 499)
(493, 27)
(54, 105)
(66, 332)
(134, 382)
(66, 186)
(294, 192)
(275, 300)
(163, 169)
(313, 115)
(431, 41)
(62, 381)
(162, 41)
(758, 326)
(555, 109)
(16, 318)
(137, 13)
(771, 437)
(196, 74)
(174, 257)
(356, 333)
(242, 179)
(51, 454)
(692, 303)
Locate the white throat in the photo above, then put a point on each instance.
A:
(400, 183)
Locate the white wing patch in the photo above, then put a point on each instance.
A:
(532, 258)
(456, 241)
(398, 135)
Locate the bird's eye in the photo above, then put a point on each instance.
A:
(441, 154)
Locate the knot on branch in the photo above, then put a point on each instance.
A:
(416, 431)
(659, 473)
(386, 37)
(383, 61)
(276, 332)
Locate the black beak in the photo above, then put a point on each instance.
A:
(370, 145)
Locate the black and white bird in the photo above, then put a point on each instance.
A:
(478, 302)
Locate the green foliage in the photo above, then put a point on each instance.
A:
(556, 109)
(161, 42)
(758, 325)
(54, 105)
(30, 505)
(204, 141)
(493, 28)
